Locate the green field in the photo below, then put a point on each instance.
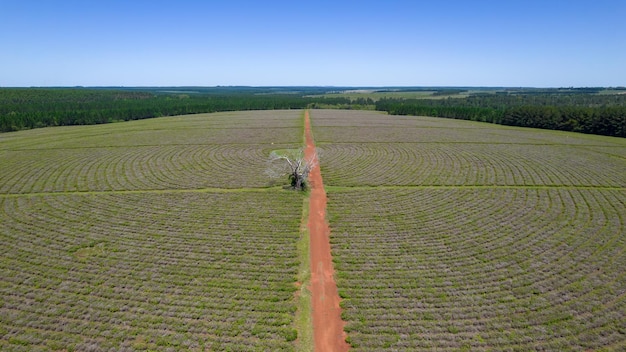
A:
(454, 235)
(375, 95)
(151, 235)
(166, 234)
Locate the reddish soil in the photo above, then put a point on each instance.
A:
(327, 324)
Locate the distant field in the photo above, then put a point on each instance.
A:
(453, 235)
(151, 235)
(375, 95)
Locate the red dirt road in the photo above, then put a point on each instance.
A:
(327, 324)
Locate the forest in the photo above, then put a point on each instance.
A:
(26, 108)
(587, 110)
(577, 110)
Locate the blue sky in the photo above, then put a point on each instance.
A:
(538, 43)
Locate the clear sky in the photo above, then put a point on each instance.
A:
(538, 43)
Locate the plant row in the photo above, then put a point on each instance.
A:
(134, 168)
(505, 269)
(366, 148)
(227, 150)
(149, 271)
(469, 164)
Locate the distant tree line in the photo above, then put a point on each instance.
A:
(572, 109)
(25, 108)
(586, 113)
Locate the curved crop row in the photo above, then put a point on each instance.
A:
(136, 168)
(510, 269)
(374, 164)
(224, 150)
(145, 271)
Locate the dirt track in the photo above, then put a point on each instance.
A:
(327, 324)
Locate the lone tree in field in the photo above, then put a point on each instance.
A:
(293, 165)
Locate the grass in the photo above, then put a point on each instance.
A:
(303, 318)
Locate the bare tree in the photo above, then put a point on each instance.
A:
(291, 164)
